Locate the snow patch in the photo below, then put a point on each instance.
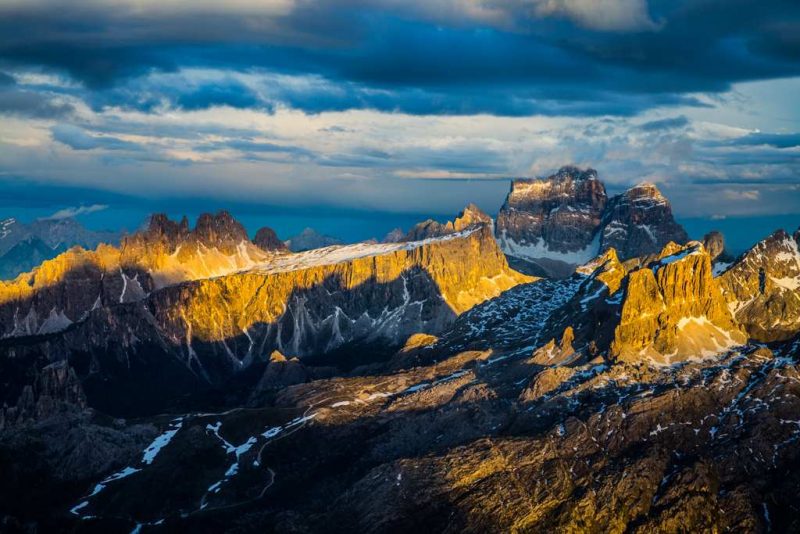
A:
(540, 250)
(160, 442)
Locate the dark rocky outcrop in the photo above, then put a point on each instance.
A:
(639, 222)
(267, 239)
(714, 243)
(56, 390)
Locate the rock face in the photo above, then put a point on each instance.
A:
(470, 217)
(63, 290)
(557, 218)
(673, 310)
(314, 303)
(267, 239)
(199, 308)
(310, 239)
(639, 222)
(565, 220)
(714, 243)
(55, 389)
(763, 288)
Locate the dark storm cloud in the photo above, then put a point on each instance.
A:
(412, 61)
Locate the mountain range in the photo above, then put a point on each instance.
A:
(24, 246)
(190, 378)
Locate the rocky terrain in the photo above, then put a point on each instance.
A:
(196, 308)
(763, 288)
(220, 384)
(565, 220)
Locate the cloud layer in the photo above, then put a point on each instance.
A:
(394, 105)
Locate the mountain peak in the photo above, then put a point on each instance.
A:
(267, 239)
(221, 227)
(469, 217)
(575, 173)
(763, 287)
(310, 239)
(645, 190)
(674, 310)
(554, 219)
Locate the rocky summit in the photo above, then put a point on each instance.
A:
(193, 379)
(566, 219)
(553, 221)
(639, 222)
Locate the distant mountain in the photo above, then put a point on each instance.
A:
(310, 239)
(23, 246)
(566, 219)
(394, 236)
(553, 222)
(763, 287)
(267, 239)
(25, 255)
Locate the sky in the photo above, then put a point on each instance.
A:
(355, 116)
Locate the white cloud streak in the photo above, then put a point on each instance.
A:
(74, 211)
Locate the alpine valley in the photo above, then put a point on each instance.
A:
(577, 365)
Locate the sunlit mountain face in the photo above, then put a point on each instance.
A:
(440, 266)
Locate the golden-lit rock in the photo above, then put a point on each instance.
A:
(673, 310)
(763, 288)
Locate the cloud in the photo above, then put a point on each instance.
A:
(31, 104)
(229, 93)
(78, 139)
(74, 211)
(554, 57)
(733, 194)
(607, 15)
(777, 140)
(664, 124)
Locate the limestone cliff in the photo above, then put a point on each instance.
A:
(673, 310)
(762, 288)
(471, 216)
(315, 302)
(134, 355)
(63, 290)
